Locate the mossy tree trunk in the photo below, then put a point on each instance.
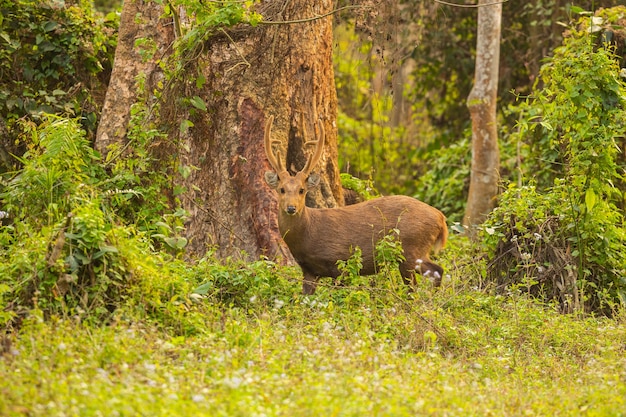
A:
(282, 67)
(482, 105)
(139, 22)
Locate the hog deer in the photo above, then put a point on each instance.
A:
(319, 237)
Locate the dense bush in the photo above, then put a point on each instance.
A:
(445, 183)
(565, 236)
(53, 59)
(60, 241)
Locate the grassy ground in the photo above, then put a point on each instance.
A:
(456, 351)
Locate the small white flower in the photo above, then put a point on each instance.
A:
(537, 236)
(197, 398)
(234, 382)
(196, 298)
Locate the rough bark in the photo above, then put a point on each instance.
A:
(282, 70)
(139, 20)
(482, 105)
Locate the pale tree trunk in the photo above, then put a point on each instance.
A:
(283, 70)
(482, 105)
(139, 20)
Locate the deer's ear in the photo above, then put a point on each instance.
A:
(271, 178)
(313, 180)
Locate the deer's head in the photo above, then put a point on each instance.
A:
(292, 190)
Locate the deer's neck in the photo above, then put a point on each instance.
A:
(293, 228)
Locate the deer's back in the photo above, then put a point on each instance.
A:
(331, 234)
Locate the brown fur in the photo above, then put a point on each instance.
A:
(318, 238)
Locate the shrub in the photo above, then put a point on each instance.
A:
(66, 251)
(445, 183)
(53, 59)
(565, 237)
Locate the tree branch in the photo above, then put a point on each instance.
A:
(308, 19)
(469, 6)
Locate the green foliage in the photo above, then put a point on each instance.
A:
(239, 283)
(441, 45)
(66, 250)
(50, 58)
(456, 351)
(90, 238)
(443, 76)
(90, 242)
(567, 131)
(142, 176)
(59, 239)
(203, 20)
(155, 172)
(59, 164)
(445, 181)
(389, 252)
(364, 188)
(350, 269)
(368, 145)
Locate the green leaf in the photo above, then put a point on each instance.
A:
(198, 103)
(577, 10)
(104, 250)
(176, 242)
(590, 199)
(200, 81)
(50, 26)
(203, 289)
(185, 125)
(6, 37)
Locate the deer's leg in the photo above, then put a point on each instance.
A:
(408, 275)
(430, 270)
(309, 283)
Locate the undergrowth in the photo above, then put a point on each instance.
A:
(53, 59)
(562, 234)
(99, 321)
(362, 349)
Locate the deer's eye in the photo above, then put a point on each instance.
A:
(301, 190)
(282, 191)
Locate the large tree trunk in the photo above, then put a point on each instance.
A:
(482, 105)
(139, 20)
(283, 70)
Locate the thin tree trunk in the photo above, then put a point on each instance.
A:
(139, 20)
(482, 105)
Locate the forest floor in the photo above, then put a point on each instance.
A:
(460, 352)
(257, 347)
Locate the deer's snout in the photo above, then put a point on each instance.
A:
(291, 209)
